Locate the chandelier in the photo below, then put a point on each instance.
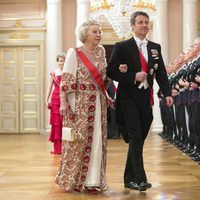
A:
(118, 13)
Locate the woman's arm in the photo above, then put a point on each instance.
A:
(49, 90)
(68, 78)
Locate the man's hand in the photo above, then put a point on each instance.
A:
(123, 68)
(193, 85)
(64, 109)
(169, 101)
(181, 82)
(140, 76)
(174, 92)
(197, 78)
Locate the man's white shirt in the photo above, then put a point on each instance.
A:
(142, 46)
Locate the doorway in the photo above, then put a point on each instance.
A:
(20, 71)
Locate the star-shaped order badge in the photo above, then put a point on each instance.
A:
(155, 66)
(154, 53)
(153, 69)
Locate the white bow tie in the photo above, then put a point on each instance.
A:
(143, 43)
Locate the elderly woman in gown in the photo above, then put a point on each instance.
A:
(83, 105)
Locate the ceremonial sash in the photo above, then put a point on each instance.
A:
(93, 71)
(55, 78)
(145, 69)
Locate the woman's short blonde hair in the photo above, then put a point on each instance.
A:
(60, 55)
(83, 29)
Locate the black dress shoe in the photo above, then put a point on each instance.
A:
(197, 158)
(131, 185)
(144, 185)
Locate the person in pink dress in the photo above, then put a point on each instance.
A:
(53, 94)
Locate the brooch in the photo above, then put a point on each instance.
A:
(151, 71)
(155, 66)
(154, 53)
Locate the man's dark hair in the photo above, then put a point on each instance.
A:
(137, 13)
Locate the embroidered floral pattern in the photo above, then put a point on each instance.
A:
(76, 155)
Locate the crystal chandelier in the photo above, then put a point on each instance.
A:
(118, 13)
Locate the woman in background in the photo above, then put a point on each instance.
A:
(53, 91)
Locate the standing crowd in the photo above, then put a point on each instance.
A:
(181, 123)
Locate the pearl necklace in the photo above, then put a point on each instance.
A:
(89, 50)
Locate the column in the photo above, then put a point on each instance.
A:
(83, 11)
(160, 35)
(53, 41)
(190, 25)
(160, 27)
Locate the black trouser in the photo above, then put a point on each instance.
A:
(182, 117)
(163, 115)
(190, 125)
(112, 124)
(172, 124)
(138, 118)
(197, 124)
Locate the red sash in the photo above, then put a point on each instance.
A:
(143, 62)
(55, 78)
(145, 69)
(93, 71)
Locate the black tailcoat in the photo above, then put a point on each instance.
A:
(134, 112)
